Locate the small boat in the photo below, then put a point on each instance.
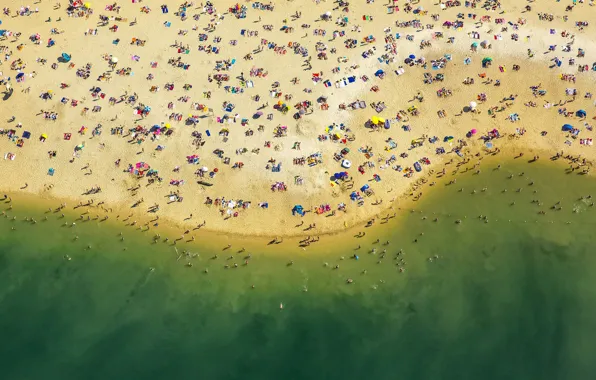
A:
(204, 183)
(417, 166)
(281, 306)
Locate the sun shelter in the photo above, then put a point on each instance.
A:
(66, 57)
(567, 127)
(581, 113)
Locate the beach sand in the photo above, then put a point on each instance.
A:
(87, 160)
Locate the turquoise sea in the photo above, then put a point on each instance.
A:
(508, 295)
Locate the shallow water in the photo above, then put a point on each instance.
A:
(511, 298)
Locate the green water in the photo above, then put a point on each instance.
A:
(512, 298)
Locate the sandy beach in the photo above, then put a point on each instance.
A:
(285, 118)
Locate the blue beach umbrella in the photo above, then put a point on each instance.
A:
(567, 127)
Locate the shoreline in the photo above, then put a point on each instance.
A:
(400, 206)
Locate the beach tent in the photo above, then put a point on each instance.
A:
(346, 164)
(365, 187)
(581, 113)
(66, 57)
(447, 138)
(567, 127)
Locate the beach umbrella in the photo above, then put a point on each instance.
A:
(488, 144)
(473, 131)
(412, 56)
(66, 57)
(114, 59)
(448, 138)
(581, 113)
(567, 127)
(20, 75)
(475, 44)
(473, 105)
(486, 61)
